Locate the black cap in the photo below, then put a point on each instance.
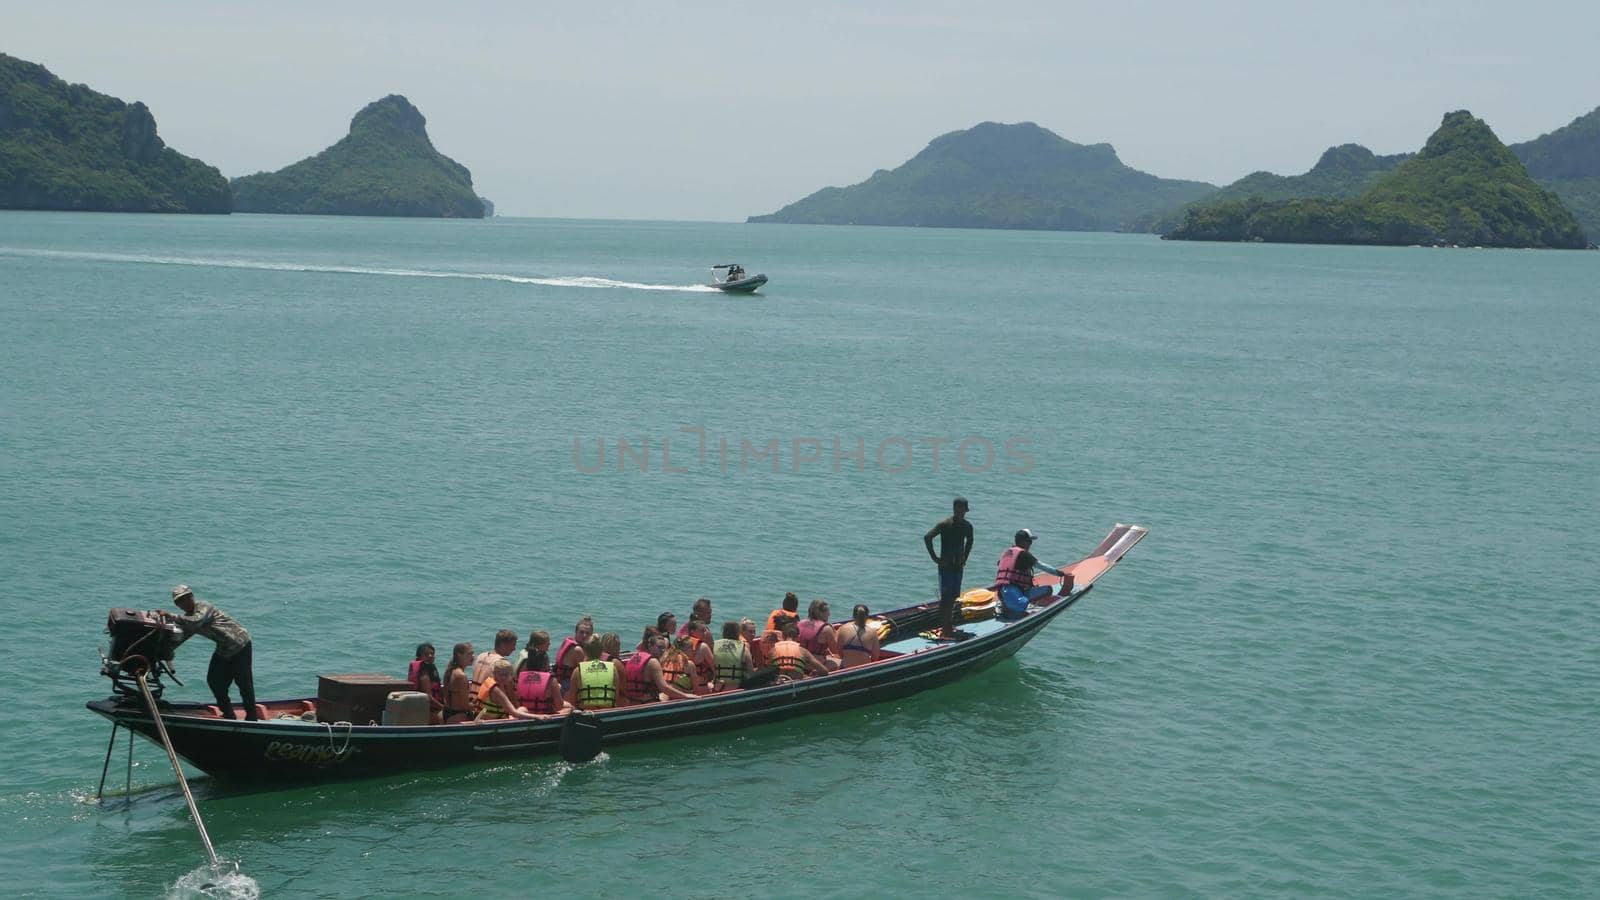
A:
(961, 502)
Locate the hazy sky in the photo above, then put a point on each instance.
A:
(668, 110)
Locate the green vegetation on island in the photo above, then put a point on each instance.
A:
(1567, 161)
(1000, 176)
(1464, 188)
(1343, 171)
(385, 166)
(64, 146)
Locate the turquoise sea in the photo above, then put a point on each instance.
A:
(1358, 655)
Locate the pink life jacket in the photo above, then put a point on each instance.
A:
(414, 675)
(809, 631)
(633, 679)
(1009, 573)
(533, 691)
(563, 671)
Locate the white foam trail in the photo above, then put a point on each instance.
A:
(581, 281)
(225, 881)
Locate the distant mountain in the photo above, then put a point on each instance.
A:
(1000, 176)
(1567, 161)
(385, 166)
(1464, 188)
(1343, 171)
(64, 146)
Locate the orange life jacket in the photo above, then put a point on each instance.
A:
(790, 659)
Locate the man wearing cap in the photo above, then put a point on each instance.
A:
(1014, 577)
(230, 661)
(955, 544)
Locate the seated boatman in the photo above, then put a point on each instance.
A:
(230, 661)
(1013, 577)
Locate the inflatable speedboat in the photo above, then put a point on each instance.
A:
(734, 280)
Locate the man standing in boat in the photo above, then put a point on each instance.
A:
(230, 662)
(955, 545)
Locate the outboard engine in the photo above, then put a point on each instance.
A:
(141, 643)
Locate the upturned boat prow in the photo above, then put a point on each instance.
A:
(287, 745)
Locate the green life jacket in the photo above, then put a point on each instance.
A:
(729, 655)
(597, 688)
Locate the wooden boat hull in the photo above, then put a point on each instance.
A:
(291, 750)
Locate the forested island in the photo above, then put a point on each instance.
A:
(1000, 176)
(1567, 161)
(1464, 188)
(66, 147)
(385, 166)
(1343, 171)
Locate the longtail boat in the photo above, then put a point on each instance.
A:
(285, 745)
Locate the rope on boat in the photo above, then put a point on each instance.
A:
(177, 769)
(348, 729)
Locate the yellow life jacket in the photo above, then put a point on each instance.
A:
(597, 685)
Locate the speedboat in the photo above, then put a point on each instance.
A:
(734, 279)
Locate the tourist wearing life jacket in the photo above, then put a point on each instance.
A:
(505, 644)
(701, 654)
(1014, 577)
(496, 696)
(644, 676)
(858, 642)
(538, 692)
(730, 658)
(596, 684)
(791, 608)
(571, 653)
(700, 613)
(753, 643)
(792, 660)
(424, 677)
(677, 666)
(537, 640)
(955, 545)
(817, 635)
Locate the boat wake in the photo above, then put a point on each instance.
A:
(225, 881)
(578, 281)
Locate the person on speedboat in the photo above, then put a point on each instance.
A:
(1013, 578)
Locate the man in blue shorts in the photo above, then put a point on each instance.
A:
(955, 545)
(1013, 578)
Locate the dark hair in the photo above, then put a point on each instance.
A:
(860, 614)
(426, 668)
(791, 630)
(504, 636)
(731, 630)
(537, 661)
(791, 602)
(661, 620)
(702, 603)
(783, 620)
(538, 638)
(650, 633)
(592, 648)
